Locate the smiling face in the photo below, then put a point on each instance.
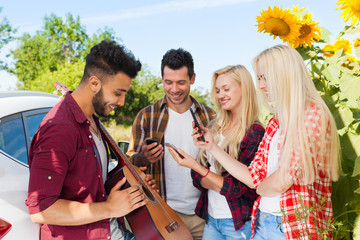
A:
(111, 94)
(177, 87)
(228, 93)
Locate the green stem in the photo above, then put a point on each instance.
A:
(346, 213)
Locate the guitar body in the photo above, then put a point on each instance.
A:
(154, 221)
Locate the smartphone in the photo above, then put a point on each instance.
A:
(150, 141)
(175, 148)
(197, 124)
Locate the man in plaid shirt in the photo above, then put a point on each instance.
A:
(169, 119)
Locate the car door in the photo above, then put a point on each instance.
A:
(16, 133)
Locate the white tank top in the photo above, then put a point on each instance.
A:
(218, 206)
(272, 204)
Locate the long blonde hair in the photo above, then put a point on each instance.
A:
(248, 113)
(292, 93)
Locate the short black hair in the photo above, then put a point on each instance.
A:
(176, 59)
(110, 58)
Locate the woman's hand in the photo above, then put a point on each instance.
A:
(209, 141)
(187, 161)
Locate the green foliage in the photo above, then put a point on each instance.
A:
(6, 35)
(338, 81)
(68, 74)
(59, 42)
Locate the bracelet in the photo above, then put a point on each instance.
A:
(207, 172)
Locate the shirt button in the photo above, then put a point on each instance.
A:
(49, 177)
(90, 136)
(99, 176)
(103, 195)
(108, 237)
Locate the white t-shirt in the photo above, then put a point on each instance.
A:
(181, 195)
(218, 207)
(272, 204)
(115, 230)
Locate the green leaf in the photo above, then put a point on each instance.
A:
(357, 52)
(350, 89)
(317, 68)
(331, 73)
(356, 167)
(356, 112)
(341, 193)
(350, 144)
(325, 35)
(343, 117)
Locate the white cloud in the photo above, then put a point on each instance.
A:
(166, 7)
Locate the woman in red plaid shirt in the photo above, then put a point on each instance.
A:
(298, 157)
(225, 202)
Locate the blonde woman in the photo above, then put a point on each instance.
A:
(226, 203)
(297, 158)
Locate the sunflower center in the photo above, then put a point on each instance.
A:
(355, 6)
(277, 27)
(304, 30)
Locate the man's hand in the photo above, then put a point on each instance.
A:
(150, 181)
(149, 154)
(121, 202)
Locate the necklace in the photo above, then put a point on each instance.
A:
(94, 129)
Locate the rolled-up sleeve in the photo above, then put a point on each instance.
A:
(51, 151)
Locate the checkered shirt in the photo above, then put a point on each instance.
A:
(151, 122)
(312, 201)
(239, 196)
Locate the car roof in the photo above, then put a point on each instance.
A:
(12, 102)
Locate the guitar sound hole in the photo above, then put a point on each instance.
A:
(149, 194)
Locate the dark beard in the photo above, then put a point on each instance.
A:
(98, 103)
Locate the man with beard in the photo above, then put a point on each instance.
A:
(68, 158)
(170, 120)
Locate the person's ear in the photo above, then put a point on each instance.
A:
(192, 80)
(94, 83)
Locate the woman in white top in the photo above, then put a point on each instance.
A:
(226, 203)
(297, 158)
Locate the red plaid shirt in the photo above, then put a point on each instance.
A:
(239, 197)
(311, 201)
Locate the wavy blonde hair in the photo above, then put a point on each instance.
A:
(292, 93)
(248, 114)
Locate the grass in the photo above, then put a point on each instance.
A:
(118, 132)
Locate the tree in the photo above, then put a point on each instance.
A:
(59, 42)
(6, 35)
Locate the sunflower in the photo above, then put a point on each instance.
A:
(343, 44)
(328, 48)
(356, 42)
(309, 31)
(279, 23)
(351, 10)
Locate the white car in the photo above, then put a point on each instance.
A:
(20, 115)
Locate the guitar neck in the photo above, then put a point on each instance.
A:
(120, 154)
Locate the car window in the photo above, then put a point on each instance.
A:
(33, 121)
(12, 137)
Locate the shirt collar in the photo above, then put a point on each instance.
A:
(75, 108)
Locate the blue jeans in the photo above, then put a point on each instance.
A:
(128, 236)
(268, 226)
(223, 228)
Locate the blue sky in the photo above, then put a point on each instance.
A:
(216, 32)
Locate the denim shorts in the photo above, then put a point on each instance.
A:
(268, 226)
(223, 228)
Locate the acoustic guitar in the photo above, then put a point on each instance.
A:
(154, 221)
